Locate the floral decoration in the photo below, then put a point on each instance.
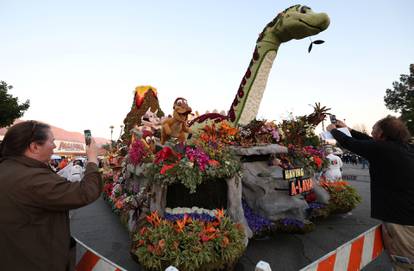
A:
(188, 244)
(259, 132)
(343, 197)
(193, 164)
(258, 224)
(138, 153)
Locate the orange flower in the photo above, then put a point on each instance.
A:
(151, 248)
(154, 219)
(228, 130)
(186, 219)
(213, 163)
(210, 229)
(119, 204)
(206, 238)
(176, 244)
(225, 241)
(161, 244)
(141, 242)
(143, 230)
(180, 225)
(219, 214)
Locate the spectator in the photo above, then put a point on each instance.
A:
(75, 171)
(34, 201)
(364, 163)
(53, 165)
(391, 160)
(63, 163)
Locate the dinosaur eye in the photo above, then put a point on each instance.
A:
(148, 139)
(303, 9)
(179, 102)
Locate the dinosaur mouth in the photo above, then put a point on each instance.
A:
(311, 26)
(184, 114)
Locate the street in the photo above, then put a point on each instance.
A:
(99, 228)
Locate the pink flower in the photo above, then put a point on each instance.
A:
(137, 152)
(198, 156)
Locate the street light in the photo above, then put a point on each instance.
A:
(120, 132)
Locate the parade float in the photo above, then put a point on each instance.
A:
(193, 192)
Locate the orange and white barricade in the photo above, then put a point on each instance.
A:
(353, 255)
(89, 260)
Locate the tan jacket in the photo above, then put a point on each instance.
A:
(34, 204)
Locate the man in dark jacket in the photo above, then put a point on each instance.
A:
(391, 160)
(34, 200)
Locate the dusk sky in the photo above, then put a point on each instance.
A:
(79, 61)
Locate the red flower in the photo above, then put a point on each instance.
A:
(108, 188)
(163, 155)
(151, 248)
(143, 230)
(166, 167)
(204, 238)
(318, 161)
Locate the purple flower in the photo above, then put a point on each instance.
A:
(256, 222)
(198, 156)
(292, 222)
(194, 216)
(316, 205)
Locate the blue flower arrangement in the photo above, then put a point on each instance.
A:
(258, 224)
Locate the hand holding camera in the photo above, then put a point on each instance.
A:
(91, 147)
(333, 119)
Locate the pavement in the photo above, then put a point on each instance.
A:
(100, 229)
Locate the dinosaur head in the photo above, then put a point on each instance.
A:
(181, 109)
(296, 22)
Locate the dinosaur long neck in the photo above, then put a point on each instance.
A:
(250, 93)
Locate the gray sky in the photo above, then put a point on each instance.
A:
(79, 61)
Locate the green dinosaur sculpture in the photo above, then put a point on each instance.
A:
(296, 22)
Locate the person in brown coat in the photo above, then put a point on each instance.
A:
(35, 201)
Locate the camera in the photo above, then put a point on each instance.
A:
(88, 136)
(333, 119)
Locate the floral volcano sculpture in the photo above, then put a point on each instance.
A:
(188, 244)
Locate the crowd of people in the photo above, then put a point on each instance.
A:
(354, 159)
